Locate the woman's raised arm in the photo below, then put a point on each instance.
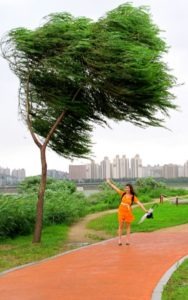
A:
(113, 186)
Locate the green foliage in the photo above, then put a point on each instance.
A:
(17, 215)
(31, 185)
(149, 182)
(149, 188)
(62, 205)
(64, 208)
(146, 194)
(126, 63)
(92, 71)
(107, 199)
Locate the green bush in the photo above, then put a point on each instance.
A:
(146, 194)
(107, 198)
(17, 216)
(64, 208)
(62, 205)
(31, 185)
(149, 182)
(149, 188)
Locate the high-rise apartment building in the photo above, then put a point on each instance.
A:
(181, 172)
(57, 174)
(18, 173)
(77, 172)
(170, 171)
(105, 168)
(10, 178)
(4, 171)
(93, 170)
(136, 167)
(124, 167)
(147, 171)
(116, 167)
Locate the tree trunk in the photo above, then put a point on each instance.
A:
(40, 202)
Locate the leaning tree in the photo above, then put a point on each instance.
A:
(75, 73)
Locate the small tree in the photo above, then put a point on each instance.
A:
(75, 73)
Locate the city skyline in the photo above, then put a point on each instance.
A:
(155, 145)
(8, 171)
(86, 162)
(8, 177)
(121, 167)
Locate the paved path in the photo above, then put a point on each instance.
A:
(102, 271)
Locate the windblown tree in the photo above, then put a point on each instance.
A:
(75, 73)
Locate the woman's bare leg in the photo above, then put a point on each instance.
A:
(128, 231)
(120, 232)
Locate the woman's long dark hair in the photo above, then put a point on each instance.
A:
(131, 189)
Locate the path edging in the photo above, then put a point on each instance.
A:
(157, 292)
(37, 262)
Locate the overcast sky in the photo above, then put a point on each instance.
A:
(155, 145)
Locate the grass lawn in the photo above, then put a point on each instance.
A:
(177, 286)
(20, 250)
(165, 215)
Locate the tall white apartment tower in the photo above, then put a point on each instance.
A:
(124, 167)
(93, 170)
(170, 171)
(136, 167)
(116, 167)
(105, 168)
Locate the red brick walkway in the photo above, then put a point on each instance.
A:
(104, 271)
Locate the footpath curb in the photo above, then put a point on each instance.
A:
(37, 262)
(157, 293)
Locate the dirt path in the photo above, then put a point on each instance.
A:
(80, 235)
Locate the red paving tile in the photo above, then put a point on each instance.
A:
(103, 271)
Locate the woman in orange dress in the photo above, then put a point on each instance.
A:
(125, 215)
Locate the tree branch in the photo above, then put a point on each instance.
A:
(28, 118)
(59, 119)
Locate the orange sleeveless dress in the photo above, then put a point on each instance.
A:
(125, 210)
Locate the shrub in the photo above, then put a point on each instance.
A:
(31, 185)
(17, 216)
(62, 205)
